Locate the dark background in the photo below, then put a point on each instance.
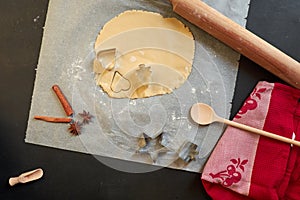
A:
(70, 175)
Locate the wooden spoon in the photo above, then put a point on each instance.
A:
(203, 114)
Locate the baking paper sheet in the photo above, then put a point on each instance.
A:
(66, 59)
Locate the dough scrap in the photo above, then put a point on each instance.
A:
(141, 54)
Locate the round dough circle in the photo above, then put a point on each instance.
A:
(141, 54)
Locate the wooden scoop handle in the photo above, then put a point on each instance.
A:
(240, 39)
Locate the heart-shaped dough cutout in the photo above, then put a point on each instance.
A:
(119, 83)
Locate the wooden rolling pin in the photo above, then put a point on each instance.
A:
(240, 39)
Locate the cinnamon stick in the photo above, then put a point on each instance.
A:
(53, 119)
(64, 102)
(240, 39)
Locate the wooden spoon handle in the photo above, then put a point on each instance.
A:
(260, 132)
(240, 39)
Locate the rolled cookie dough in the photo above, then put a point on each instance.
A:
(141, 54)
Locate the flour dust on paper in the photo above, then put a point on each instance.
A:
(141, 54)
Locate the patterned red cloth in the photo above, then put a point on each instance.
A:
(249, 166)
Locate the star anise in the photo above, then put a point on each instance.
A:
(86, 117)
(75, 128)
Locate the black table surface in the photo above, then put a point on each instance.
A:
(70, 175)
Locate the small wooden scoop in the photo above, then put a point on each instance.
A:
(203, 114)
(26, 177)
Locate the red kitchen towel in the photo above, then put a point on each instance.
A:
(245, 165)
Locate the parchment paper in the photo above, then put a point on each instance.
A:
(66, 59)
